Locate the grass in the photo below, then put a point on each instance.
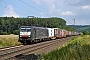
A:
(8, 40)
(78, 48)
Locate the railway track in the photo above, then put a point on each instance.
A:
(11, 52)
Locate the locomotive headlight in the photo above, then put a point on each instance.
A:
(28, 36)
(20, 36)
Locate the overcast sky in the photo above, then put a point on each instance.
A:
(66, 9)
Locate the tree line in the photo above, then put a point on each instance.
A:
(11, 25)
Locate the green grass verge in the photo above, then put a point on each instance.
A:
(78, 48)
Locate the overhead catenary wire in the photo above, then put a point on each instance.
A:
(17, 6)
(24, 9)
(12, 9)
(30, 5)
(43, 9)
(39, 6)
(36, 8)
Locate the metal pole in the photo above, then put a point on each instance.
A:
(47, 20)
(74, 24)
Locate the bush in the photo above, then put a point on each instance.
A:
(85, 33)
(76, 49)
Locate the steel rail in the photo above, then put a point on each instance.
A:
(10, 52)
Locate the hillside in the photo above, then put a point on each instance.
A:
(81, 28)
(11, 25)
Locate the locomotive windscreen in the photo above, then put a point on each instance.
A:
(25, 29)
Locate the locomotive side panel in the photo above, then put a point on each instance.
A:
(41, 33)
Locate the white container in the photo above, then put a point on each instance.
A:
(50, 32)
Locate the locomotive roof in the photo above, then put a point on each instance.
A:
(32, 27)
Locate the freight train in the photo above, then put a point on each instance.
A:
(30, 34)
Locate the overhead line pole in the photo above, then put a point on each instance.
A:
(74, 23)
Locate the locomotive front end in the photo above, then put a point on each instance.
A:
(25, 34)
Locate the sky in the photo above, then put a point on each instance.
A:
(65, 9)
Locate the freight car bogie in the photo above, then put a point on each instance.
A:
(25, 41)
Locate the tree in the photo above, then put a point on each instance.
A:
(16, 32)
(11, 25)
(1, 32)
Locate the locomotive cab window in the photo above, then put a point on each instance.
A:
(25, 29)
(28, 29)
(25, 32)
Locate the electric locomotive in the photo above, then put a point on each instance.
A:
(29, 34)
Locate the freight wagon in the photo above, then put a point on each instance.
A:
(59, 33)
(51, 33)
(64, 33)
(69, 33)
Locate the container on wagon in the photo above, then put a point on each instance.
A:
(63, 33)
(51, 33)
